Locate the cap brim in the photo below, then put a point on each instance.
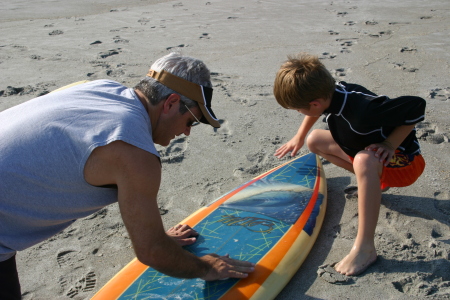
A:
(206, 118)
(193, 91)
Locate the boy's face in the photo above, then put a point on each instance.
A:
(311, 112)
(303, 111)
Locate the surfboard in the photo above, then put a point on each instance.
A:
(272, 221)
(70, 85)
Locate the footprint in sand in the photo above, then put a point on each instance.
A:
(429, 132)
(118, 29)
(371, 23)
(408, 50)
(20, 47)
(205, 36)
(56, 32)
(330, 275)
(115, 72)
(351, 192)
(380, 34)
(173, 47)
(327, 55)
(144, 21)
(225, 132)
(174, 153)
(245, 100)
(36, 57)
(424, 284)
(401, 66)
(219, 77)
(442, 94)
(86, 284)
(117, 39)
(346, 44)
(65, 257)
(259, 161)
(109, 53)
(340, 72)
(399, 23)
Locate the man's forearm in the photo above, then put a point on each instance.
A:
(169, 258)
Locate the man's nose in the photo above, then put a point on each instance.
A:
(187, 132)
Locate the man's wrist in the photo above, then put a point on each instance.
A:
(206, 267)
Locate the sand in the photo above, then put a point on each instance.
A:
(392, 47)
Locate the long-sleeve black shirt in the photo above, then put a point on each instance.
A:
(358, 117)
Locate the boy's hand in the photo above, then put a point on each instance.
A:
(293, 145)
(385, 151)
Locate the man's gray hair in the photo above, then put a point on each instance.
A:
(186, 67)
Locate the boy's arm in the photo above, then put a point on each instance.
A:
(386, 150)
(299, 139)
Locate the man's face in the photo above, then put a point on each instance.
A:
(172, 123)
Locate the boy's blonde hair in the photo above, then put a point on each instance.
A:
(302, 79)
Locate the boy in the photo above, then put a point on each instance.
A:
(371, 136)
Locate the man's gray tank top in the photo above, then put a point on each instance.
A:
(44, 145)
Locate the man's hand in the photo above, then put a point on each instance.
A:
(182, 234)
(223, 267)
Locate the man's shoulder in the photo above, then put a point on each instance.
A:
(132, 160)
(118, 158)
(105, 82)
(123, 150)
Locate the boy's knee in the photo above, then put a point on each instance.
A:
(366, 159)
(312, 141)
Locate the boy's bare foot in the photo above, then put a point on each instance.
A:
(356, 262)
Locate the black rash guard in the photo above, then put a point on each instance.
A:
(358, 117)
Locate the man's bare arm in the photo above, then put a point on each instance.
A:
(137, 174)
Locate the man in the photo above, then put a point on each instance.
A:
(69, 153)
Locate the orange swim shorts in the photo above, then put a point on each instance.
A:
(403, 170)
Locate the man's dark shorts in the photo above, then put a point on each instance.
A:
(9, 280)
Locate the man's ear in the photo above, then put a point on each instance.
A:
(171, 102)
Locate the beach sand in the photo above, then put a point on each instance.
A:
(393, 48)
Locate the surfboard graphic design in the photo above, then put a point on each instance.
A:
(272, 221)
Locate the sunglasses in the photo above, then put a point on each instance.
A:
(196, 122)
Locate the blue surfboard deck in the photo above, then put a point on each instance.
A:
(246, 226)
